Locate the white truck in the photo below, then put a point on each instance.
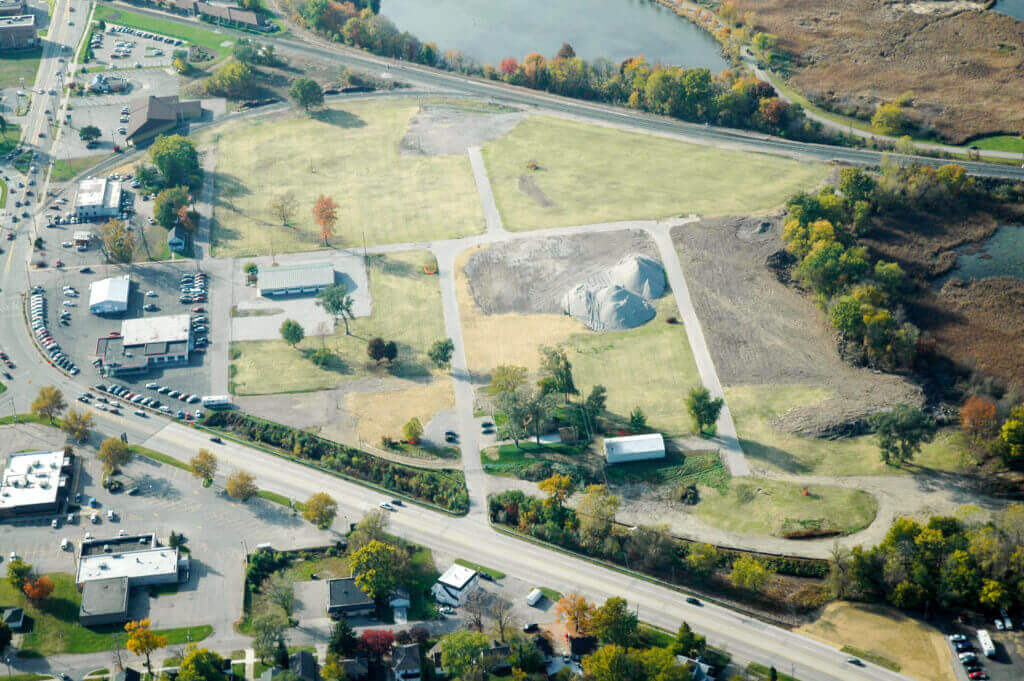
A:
(985, 641)
(217, 401)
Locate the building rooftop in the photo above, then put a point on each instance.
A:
(406, 658)
(164, 329)
(153, 112)
(296, 276)
(104, 597)
(345, 592)
(131, 564)
(22, 20)
(632, 444)
(32, 478)
(7, 4)
(99, 192)
(112, 290)
(457, 576)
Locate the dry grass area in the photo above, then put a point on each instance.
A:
(918, 648)
(853, 54)
(385, 413)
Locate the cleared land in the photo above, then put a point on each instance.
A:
(384, 413)
(17, 65)
(589, 174)
(918, 648)
(406, 309)
(781, 509)
(351, 154)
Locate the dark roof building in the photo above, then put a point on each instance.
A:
(356, 669)
(127, 674)
(11, 8)
(405, 662)
(346, 598)
(176, 239)
(104, 601)
(291, 280)
(151, 116)
(18, 32)
(14, 618)
(302, 664)
(231, 16)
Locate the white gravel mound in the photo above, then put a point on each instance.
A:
(639, 274)
(607, 308)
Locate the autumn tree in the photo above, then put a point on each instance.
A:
(412, 431)
(596, 512)
(292, 332)
(702, 559)
(18, 572)
(113, 453)
(77, 424)
(556, 372)
(117, 241)
(750, 573)
(38, 589)
(576, 611)
(374, 569)
(282, 206)
(168, 203)
(325, 214)
(241, 485)
(376, 642)
(372, 527)
(143, 641)
(462, 652)
(320, 509)
(49, 402)
(201, 664)
(336, 301)
(203, 465)
(558, 487)
(613, 622)
(978, 417)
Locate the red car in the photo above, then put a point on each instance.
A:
(198, 309)
(10, 236)
(60, 263)
(978, 675)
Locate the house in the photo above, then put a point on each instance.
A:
(634, 448)
(127, 674)
(304, 665)
(496, 658)
(400, 603)
(346, 598)
(229, 16)
(12, 8)
(151, 116)
(177, 239)
(455, 585)
(700, 670)
(405, 662)
(18, 32)
(14, 618)
(356, 668)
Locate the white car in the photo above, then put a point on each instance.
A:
(66, 244)
(151, 294)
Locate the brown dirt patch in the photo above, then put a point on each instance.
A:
(442, 130)
(853, 54)
(528, 186)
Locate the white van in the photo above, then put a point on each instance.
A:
(534, 597)
(64, 544)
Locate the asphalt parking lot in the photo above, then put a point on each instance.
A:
(122, 49)
(1008, 662)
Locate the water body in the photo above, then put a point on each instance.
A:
(1001, 255)
(489, 31)
(1014, 8)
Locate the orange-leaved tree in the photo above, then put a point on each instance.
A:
(978, 417)
(38, 589)
(325, 213)
(577, 612)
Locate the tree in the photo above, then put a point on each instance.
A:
(462, 652)
(241, 485)
(234, 80)
(441, 351)
(336, 301)
(412, 431)
(203, 465)
(77, 424)
(702, 559)
(750, 573)
(49, 402)
(889, 119)
(558, 487)
(597, 400)
(537, 408)
(177, 159)
(978, 417)
(506, 379)
(268, 628)
(5, 637)
(200, 664)
(614, 663)
(994, 595)
(637, 419)
(89, 133)
(374, 569)
(372, 527)
(565, 52)
(282, 206)
(168, 204)
(375, 349)
(390, 351)
(18, 572)
(576, 611)
(281, 653)
(596, 512)
(325, 214)
(143, 641)
(117, 241)
(376, 642)
(901, 433)
(704, 410)
(688, 643)
(504, 617)
(476, 607)
(320, 509)
(292, 332)
(279, 591)
(114, 453)
(614, 623)
(556, 371)
(306, 92)
(343, 641)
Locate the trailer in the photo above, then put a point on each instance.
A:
(985, 641)
(217, 401)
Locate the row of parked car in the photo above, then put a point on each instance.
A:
(37, 308)
(193, 288)
(135, 398)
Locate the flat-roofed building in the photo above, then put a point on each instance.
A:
(35, 482)
(146, 342)
(109, 296)
(144, 567)
(98, 199)
(344, 597)
(11, 8)
(292, 280)
(634, 448)
(104, 601)
(455, 585)
(18, 32)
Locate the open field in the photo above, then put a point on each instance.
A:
(384, 413)
(917, 648)
(65, 170)
(590, 174)
(406, 309)
(1001, 143)
(351, 154)
(779, 508)
(755, 409)
(10, 137)
(196, 35)
(20, 64)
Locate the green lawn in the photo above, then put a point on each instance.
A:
(3, 193)
(351, 155)
(767, 507)
(550, 594)
(507, 459)
(657, 351)
(406, 309)
(10, 138)
(55, 628)
(192, 34)
(593, 174)
(754, 407)
(139, 450)
(65, 170)
(496, 574)
(688, 468)
(20, 64)
(1001, 143)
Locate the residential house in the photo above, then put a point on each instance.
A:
(177, 239)
(454, 586)
(405, 662)
(14, 618)
(346, 598)
(700, 670)
(302, 664)
(356, 669)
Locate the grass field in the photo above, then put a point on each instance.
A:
(65, 170)
(139, 450)
(1001, 143)
(754, 407)
(592, 174)
(700, 468)
(918, 649)
(20, 64)
(193, 34)
(385, 413)
(496, 574)
(769, 507)
(406, 309)
(350, 154)
(55, 627)
(10, 138)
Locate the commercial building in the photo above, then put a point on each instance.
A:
(144, 567)
(12, 8)
(454, 586)
(230, 16)
(152, 116)
(291, 280)
(82, 238)
(146, 342)
(104, 601)
(634, 448)
(344, 597)
(18, 32)
(98, 199)
(109, 296)
(35, 482)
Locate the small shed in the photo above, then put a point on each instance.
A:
(634, 448)
(176, 239)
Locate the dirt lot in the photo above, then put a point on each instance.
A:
(761, 332)
(853, 54)
(440, 130)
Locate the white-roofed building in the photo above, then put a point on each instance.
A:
(165, 329)
(98, 199)
(290, 280)
(141, 568)
(146, 342)
(109, 296)
(35, 482)
(634, 448)
(82, 238)
(454, 586)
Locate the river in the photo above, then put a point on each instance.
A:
(489, 31)
(1015, 8)
(1001, 255)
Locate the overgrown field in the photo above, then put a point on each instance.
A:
(17, 65)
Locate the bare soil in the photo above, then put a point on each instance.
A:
(530, 276)
(528, 186)
(852, 55)
(443, 130)
(761, 332)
